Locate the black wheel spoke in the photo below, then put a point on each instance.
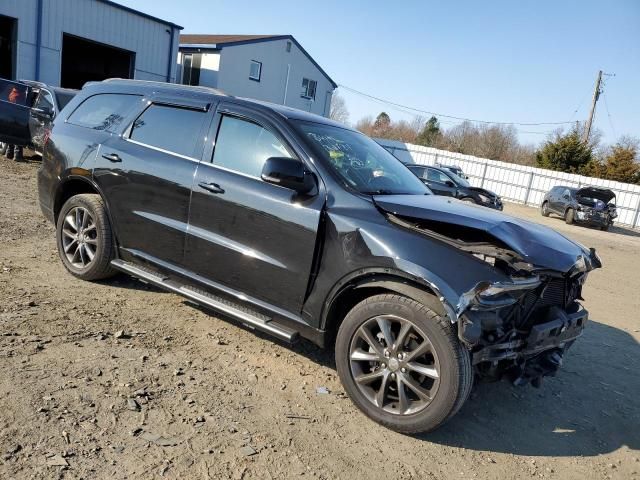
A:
(421, 392)
(360, 355)
(366, 335)
(403, 401)
(382, 392)
(424, 347)
(427, 371)
(367, 378)
(385, 328)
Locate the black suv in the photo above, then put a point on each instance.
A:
(593, 206)
(296, 225)
(443, 181)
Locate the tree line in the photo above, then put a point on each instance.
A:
(564, 150)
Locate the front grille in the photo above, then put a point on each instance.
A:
(555, 293)
(552, 295)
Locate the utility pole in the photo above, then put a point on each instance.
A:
(596, 96)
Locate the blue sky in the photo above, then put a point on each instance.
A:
(509, 61)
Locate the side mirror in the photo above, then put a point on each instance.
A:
(449, 183)
(289, 173)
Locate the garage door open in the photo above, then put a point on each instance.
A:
(7, 47)
(84, 60)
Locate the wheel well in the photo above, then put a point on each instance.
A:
(357, 291)
(69, 189)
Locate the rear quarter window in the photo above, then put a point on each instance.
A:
(105, 111)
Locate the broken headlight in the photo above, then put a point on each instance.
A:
(492, 295)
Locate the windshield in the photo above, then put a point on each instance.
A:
(459, 180)
(360, 162)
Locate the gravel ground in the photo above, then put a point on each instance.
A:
(120, 380)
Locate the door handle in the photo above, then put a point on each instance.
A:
(112, 157)
(211, 187)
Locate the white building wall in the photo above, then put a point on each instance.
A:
(148, 39)
(233, 75)
(209, 69)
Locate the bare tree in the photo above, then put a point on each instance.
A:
(338, 110)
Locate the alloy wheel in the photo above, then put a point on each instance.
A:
(394, 365)
(79, 237)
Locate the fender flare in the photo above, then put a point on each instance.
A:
(84, 178)
(417, 289)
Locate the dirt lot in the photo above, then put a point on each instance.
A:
(213, 400)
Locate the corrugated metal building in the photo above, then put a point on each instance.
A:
(68, 42)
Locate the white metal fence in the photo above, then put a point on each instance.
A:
(518, 183)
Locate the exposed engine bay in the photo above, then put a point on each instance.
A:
(518, 329)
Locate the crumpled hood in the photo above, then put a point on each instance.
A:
(541, 246)
(484, 191)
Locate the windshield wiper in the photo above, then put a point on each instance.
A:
(380, 192)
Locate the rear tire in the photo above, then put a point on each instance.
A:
(605, 228)
(469, 200)
(425, 375)
(569, 216)
(84, 237)
(544, 209)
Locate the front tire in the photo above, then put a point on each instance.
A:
(469, 200)
(569, 216)
(402, 364)
(84, 238)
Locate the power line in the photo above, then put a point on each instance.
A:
(606, 106)
(399, 105)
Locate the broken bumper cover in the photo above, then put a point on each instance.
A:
(592, 217)
(555, 334)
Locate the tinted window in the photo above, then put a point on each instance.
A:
(104, 111)
(418, 171)
(244, 146)
(63, 99)
(437, 176)
(177, 130)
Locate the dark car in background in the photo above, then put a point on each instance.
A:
(454, 169)
(442, 181)
(298, 226)
(27, 109)
(593, 206)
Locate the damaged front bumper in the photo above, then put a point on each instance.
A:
(521, 329)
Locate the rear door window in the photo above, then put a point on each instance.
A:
(172, 129)
(104, 111)
(244, 146)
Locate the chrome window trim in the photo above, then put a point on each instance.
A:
(161, 150)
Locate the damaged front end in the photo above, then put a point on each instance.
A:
(520, 327)
(521, 330)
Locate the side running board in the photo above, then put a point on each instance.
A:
(246, 316)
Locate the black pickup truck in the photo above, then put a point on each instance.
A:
(27, 110)
(299, 226)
